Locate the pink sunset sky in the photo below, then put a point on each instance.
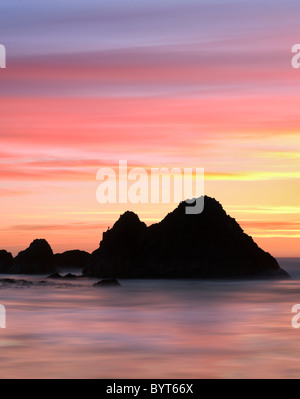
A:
(180, 83)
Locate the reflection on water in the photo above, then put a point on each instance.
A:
(151, 329)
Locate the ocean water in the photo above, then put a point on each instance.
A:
(151, 329)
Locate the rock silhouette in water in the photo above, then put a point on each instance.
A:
(54, 275)
(7, 282)
(70, 275)
(6, 260)
(109, 282)
(206, 245)
(36, 259)
(71, 259)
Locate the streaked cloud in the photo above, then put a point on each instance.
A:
(175, 83)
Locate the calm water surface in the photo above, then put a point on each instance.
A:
(151, 329)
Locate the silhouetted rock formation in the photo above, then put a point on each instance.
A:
(36, 259)
(55, 275)
(8, 282)
(20, 283)
(206, 245)
(109, 282)
(70, 275)
(71, 259)
(6, 260)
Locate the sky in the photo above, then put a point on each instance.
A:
(160, 83)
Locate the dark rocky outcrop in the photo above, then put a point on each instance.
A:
(55, 275)
(71, 259)
(109, 282)
(9, 282)
(70, 275)
(21, 283)
(206, 245)
(6, 260)
(37, 259)
(119, 250)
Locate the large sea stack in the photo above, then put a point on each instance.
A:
(208, 245)
(37, 259)
(6, 260)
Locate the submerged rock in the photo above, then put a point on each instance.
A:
(109, 282)
(207, 245)
(36, 259)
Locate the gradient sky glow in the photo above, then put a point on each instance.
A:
(159, 83)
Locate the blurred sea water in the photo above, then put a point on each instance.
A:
(152, 329)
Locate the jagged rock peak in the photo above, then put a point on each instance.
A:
(40, 245)
(210, 244)
(128, 219)
(38, 258)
